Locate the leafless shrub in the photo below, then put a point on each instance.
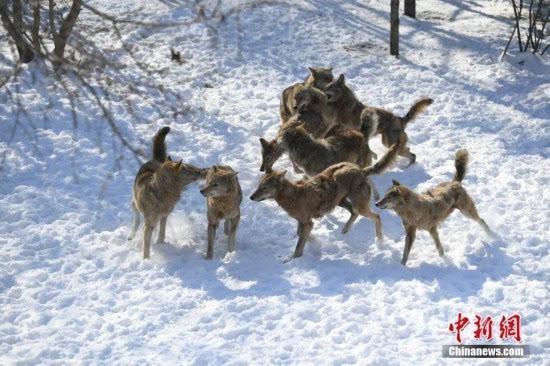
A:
(95, 78)
(532, 25)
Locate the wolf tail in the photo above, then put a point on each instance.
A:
(384, 162)
(461, 161)
(415, 110)
(159, 147)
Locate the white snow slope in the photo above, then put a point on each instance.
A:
(74, 290)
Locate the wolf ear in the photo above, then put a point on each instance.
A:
(168, 158)
(215, 168)
(263, 141)
(281, 174)
(312, 71)
(395, 183)
(330, 69)
(177, 167)
(234, 174)
(341, 79)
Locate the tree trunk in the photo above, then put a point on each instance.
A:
(394, 30)
(410, 8)
(35, 32)
(24, 49)
(66, 29)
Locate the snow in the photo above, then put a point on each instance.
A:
(74, 290)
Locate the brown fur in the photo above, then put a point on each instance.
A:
(347, 107)
(317, 196)
(391, 127)
(426, 211)
(311, 155)
(157, 189)
(318, 78)
(223, 198)
(313, 111)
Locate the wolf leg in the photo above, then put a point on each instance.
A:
(435, 237)
(471, 213)
(373, 189)
(367, 212)
(411, 234)
(162, 230)
(147, 233)
(350, 222)
(234, 224)
(345, 203)
(136, 221)
(297, 169)
(211, 236)
(404, 150)
(226, 226)
(306, 230)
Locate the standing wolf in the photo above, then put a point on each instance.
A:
(371, 120)
(316, 197)
(223, 198)
(157, 189)
(318, 78)
(426, 211)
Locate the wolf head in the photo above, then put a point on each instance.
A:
(271, 151)
(336, 89)
(183, 173)
(320, 77)
(308, 99)
(268, 186)
(219, 181)
(394, 198)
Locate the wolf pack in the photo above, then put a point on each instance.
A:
(325, 131)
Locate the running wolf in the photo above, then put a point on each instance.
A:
(317, 196)
(392, 127)
(157, 189)
(426, 211)
(223, 198)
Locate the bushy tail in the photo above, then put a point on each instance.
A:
(415, 110)
(461, 161)
(159, 147)
(384, 162)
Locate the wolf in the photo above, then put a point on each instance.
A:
(426, 211)
(372, 120)
(392, 127)
(318, 77)
(223, 199)
(312, 155)
(157, 189)
(317, 196)
(313, 111)
(347, 107)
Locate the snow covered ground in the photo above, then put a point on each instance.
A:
(74, 290)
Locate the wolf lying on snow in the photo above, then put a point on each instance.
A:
(157, 189)
(426, 211)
